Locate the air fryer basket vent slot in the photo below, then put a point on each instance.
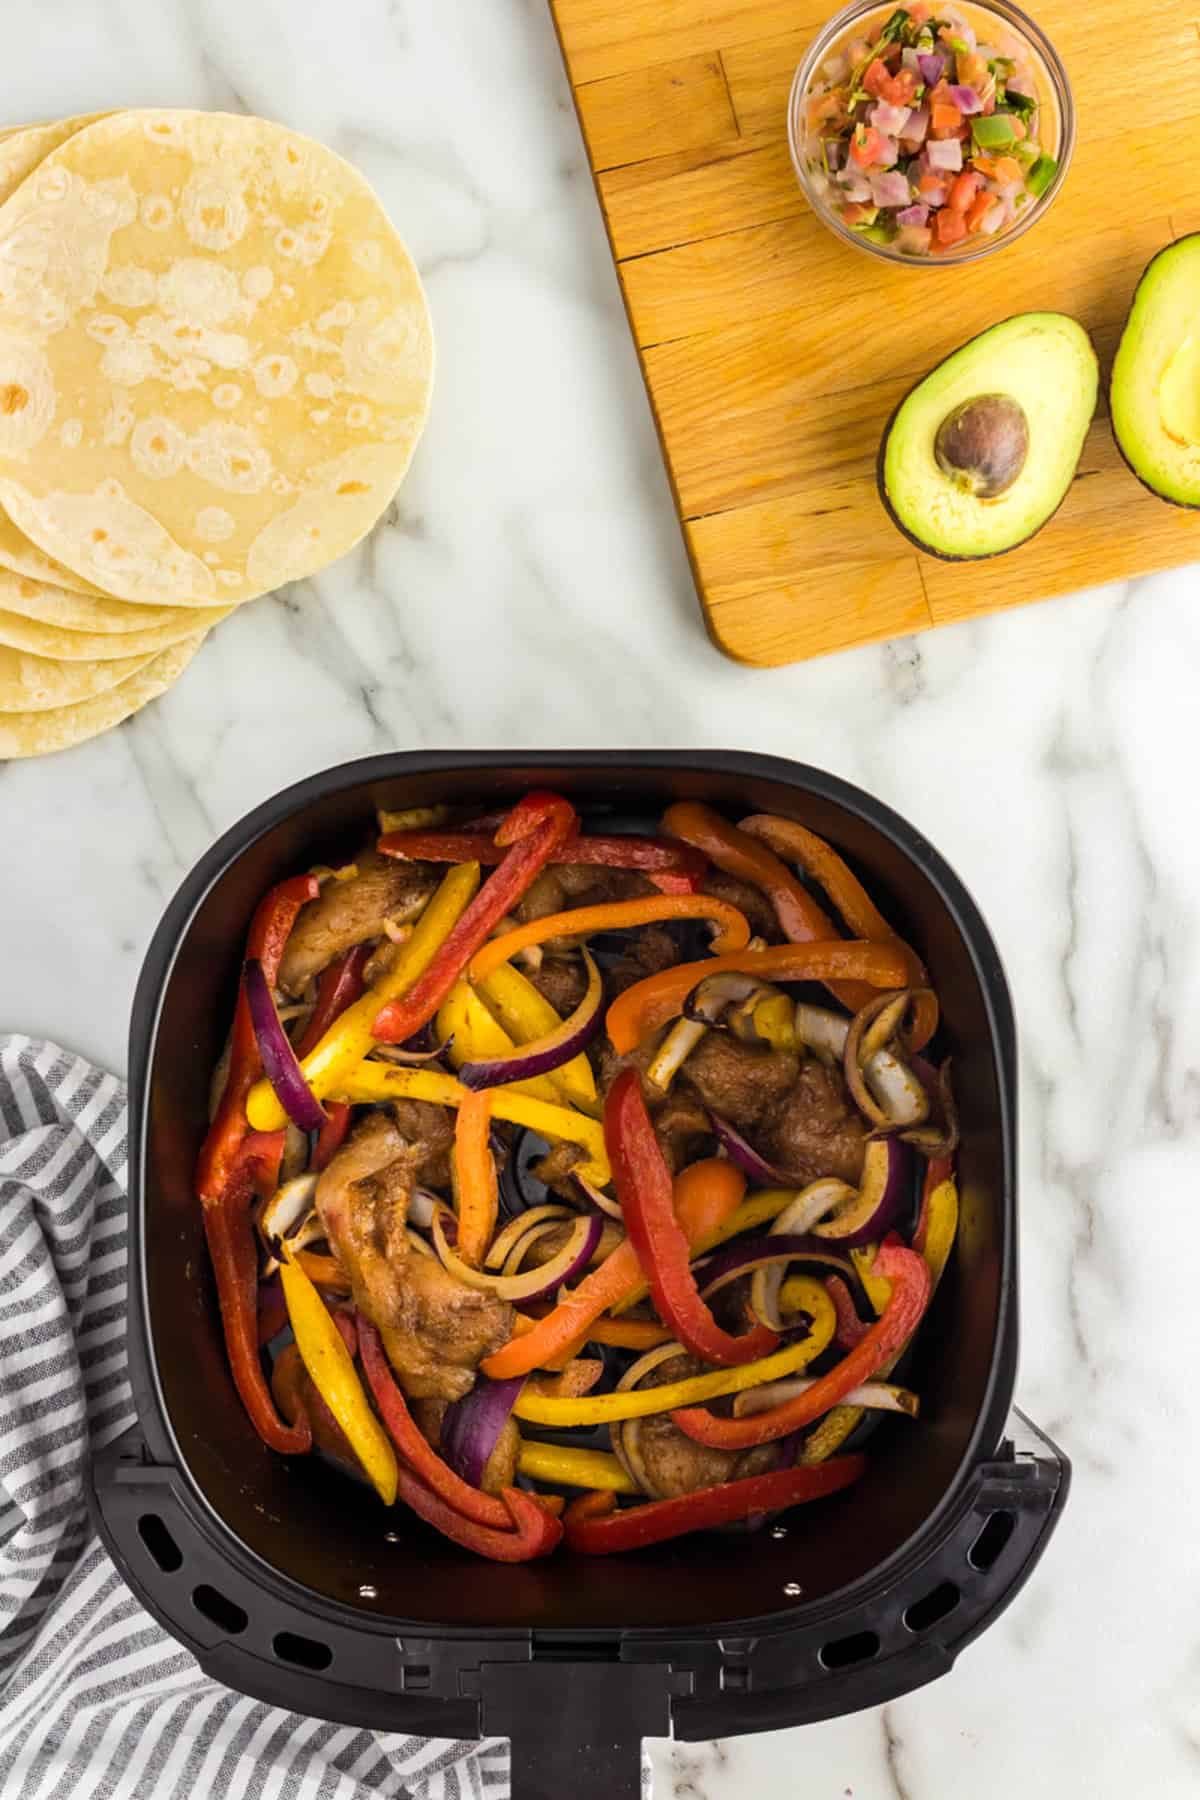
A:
(160, 1543)
(843, 1652)
(937, 1604)
(305, 1652)
(219, 1608)
(991, 1541)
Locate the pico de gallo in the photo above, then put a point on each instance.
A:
(923, 131)
(576, 1186)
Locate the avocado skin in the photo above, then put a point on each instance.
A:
(1167, 499)
(947, 556)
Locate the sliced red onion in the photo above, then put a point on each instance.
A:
(797, 1218)
(401, 1053)
(593, 1195)
(944, 153)
(280, 1065)
(890, 189)
(564, 1042)
(734, 1260)
(967, 100)
(913, 215)
(941, 1138)
(512, 1234)
(881, 1201)
(745, 1156)
(932, 67)
(534, 1284)
(471, 1427)
(878, 1396)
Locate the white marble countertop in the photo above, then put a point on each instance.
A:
(531, 590)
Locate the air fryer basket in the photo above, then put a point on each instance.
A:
(290, 1584)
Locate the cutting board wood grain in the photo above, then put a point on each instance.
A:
(774, 355)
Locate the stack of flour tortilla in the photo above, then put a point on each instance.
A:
(215, 363)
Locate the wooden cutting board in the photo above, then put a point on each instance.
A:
(774, 354)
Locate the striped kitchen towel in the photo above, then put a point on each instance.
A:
(96, 1701)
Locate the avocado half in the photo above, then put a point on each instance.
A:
(981, 453)
(1154, 398)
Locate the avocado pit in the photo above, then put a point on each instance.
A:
(982, 445)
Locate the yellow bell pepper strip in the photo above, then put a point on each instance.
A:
(233, 1249)
(643, 1008)
(934, 1238)
(911, 1287)
(593, 1469)
(801, 919)
(349, 1038)
(645, 1191)
(854, 905)
(693, 1390)
(527, 1015)
(412, 1444)
(331, 1367)
(701, 1197)
(617, 915)
(466, 1025)
(531, 834)
(597, 1528)
(266, 941)
(371, 1083)
(476, 1188)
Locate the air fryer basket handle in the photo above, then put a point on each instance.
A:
(576, 1728)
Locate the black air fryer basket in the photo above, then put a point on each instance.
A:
(292, 1585)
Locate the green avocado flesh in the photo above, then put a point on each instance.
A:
(982, 451)
(1155, 397)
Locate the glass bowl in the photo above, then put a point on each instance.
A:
(1054, 92)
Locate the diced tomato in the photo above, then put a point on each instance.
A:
(973, 70)
(979, 209)
(966, 186)
(1018, 127)
(876, 79)
(931, 190)
(944, 118)
(857, 50)
(1006, 169)
(854, 214)
(918, 14)
(950, 226)
(866, 146)
(824, 109)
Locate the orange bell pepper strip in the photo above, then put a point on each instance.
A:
(909, 1275)
(234, 1252)
(643, 1183)
(595, 1526)
(476, 1185)
(332, 1134)
(801, 920)
(618, 915)
(339, 987)
(323, 1271)
(705, 1195)
(266, 941)
(852, 901)
(649, 1004)
(412, 1444)
(531, 833)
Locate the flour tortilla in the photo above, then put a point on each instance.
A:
(40, 733)
(215, 356)
(38, 683)
(42, 640)
(22, 148)
(52, 605)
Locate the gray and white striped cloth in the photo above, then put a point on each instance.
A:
(96, 1701)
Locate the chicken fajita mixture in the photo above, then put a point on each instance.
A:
(579, 1188)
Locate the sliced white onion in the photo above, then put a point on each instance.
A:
(287, 1207)
(821, 1030)
(674, 1051)
(898, 1091)
(515, 1230)
(797, 1219)
(876, 1396)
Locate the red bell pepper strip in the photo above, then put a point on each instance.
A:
(800, 918)
(535, 829)
(911, 1287)
(234, 1253)
(270, 929)
(414, 1447)
(532, 1529)
(850, 1329)
(332, 1134)
(644, 1188)
(339, 987)
(675, 868)
(594, 1526)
